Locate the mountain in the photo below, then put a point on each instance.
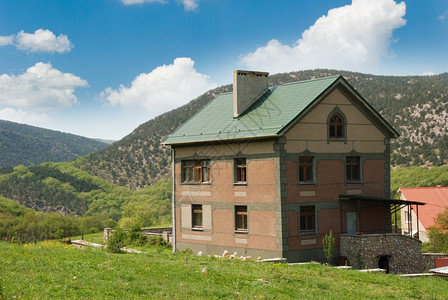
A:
(28, 145)
(416, 106)
(127, 180)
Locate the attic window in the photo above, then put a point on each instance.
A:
(336, 126)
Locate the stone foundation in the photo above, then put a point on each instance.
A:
(394, 252)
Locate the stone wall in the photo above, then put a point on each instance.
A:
(401, 254)
(165, 232)
(429, 259)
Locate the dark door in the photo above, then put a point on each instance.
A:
(383, 263)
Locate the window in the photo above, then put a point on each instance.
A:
(306, 169)
(196, 171)
(196, 213)
(307, 215)
(408, 218)
(336, 126)
(353, 168)
(240, 170)
(241, 218)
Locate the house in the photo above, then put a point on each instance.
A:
(269, 171)
(416, 221)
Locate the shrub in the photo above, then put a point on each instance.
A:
(116, 241)
(328, 244)
(158, 241)
(135, 236)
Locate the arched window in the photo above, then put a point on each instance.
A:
(336, 126)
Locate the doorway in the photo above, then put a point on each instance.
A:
(383, 263)
(352, 222)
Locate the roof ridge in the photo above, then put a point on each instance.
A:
(312, 79)
(426, 187)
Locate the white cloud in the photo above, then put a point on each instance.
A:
(43, 41)
(161, 90)
(39, 41)
(21, 116)
(6, 40)
(353, 37)
(40, 87)
(130, 2)
(190, 4)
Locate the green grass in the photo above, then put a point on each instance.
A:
(52, 270)
(91, 237)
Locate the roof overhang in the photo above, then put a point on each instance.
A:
(377, 199)
(222, 141)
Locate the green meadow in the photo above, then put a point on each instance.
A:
(57, 270)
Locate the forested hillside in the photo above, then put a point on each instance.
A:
(416, 106)
(28, 145)
(61, 187)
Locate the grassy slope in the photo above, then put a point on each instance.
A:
(49, 270)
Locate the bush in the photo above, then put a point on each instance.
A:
(136, 237)
(116, 241)
(157, 240)
(328, 244)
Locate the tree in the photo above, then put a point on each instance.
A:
(438, 233)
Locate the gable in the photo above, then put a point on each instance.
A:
(362, 135)
(436, 199)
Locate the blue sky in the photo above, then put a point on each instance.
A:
(101, 68)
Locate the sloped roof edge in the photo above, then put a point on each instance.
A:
(269, 116)
(341, 80)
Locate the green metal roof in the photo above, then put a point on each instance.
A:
(271, 113)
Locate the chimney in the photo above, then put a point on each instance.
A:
(248, 86)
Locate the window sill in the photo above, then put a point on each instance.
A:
(353, 182)
(306, 233)
(338, 140)
(197, 229)
(240, 183)
(307, 183)
(241, 231)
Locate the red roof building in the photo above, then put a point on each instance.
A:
(436, 199)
